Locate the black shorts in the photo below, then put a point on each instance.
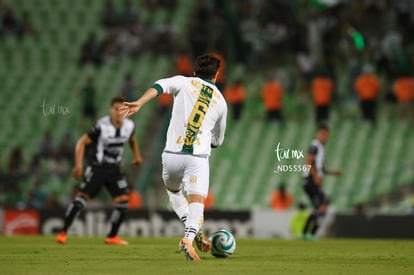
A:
(110, 176)
(315, 193)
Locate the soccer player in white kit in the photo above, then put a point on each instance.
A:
(197, 124)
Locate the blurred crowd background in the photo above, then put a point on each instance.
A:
(287, 65)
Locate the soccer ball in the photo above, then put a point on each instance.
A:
(223, 244)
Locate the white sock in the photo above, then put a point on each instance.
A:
(179, 204)
(194, 221)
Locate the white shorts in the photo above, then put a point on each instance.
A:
(187, 171)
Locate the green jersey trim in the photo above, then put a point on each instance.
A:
(158, 88)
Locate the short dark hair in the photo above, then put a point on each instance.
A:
(117, 99)
(206, 66)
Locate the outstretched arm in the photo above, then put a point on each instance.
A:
(130, 108)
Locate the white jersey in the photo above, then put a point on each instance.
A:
(199, 114)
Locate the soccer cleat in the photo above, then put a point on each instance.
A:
(188, 250)
(61, 237)
(202, 242)
(311, 237)
(115, 240)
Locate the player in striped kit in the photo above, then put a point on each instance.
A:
(312, 182)
(106, 139)
(197, 124)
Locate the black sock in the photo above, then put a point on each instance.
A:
(72, 212)
(184, 218)
(117, 217)
(318, 222)
(310, 223)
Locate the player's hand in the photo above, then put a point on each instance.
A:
(77, 172)
(129, 108)
(137, 161)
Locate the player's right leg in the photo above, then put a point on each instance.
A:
(312, 191)
(173, 176)
(178, 203)
(88, 189)
(71, 213)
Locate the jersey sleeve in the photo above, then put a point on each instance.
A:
(94, 132)
(171, 85)
(219, 129)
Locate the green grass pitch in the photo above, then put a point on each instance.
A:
(82, 255)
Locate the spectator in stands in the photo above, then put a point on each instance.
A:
(57, 167)
(272, 95)
(322, 89)
(129, 13)
(52, 201)
(9, 21)
(88, 95)
(134, 199)
(25, 27)
(404, 92)
(165, 37)
(129, 39)
(15, 166)
(37, 195)
(109, 16)
(280, 199)
(367, 85)
(3, 175)
(35, 167)
(183, 64)
(13, 197)
(109, 47)
(128, 89)
(66, 147)
(47, 146)
(91, 52)
(235, 95)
